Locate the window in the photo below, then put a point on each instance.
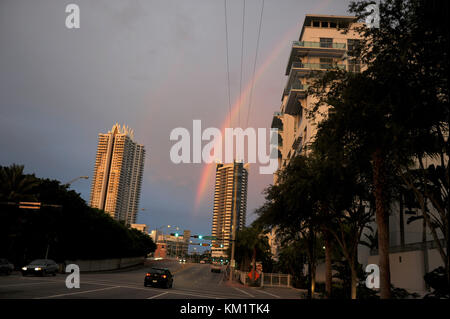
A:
(316, 24)
(333, 25)
(352, 45)
(354, 65)
(324, 24)
(326, 42)
(326, 63)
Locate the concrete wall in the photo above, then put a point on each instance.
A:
(407, 268)
(106, 264)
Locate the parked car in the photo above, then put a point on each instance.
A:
(160, 277)
(216, 267)
(40, 267)
(202, 262)
(5, 266)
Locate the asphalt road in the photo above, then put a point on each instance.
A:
(191, 281)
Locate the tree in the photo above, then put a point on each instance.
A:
(400, 97)
(251, 245)
(290, 208)
(71, 230)
(15, 186)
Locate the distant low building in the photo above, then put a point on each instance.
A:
(142, 227)
(171, 246)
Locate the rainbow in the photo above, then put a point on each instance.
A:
(208, 169)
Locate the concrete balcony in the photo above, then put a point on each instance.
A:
(300, 69)
(320, 49)
(277, 122)
(295, 92)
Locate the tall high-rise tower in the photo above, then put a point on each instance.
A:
(230, 204)
(119, 166)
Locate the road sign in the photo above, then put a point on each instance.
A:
(30, 205)
(253, 274)
(209, 237)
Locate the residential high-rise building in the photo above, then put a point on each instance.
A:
(119, 166)
(230, 205)
(322, 45)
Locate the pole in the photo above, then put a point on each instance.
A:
(233, 227)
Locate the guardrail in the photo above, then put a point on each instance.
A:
(106, 264)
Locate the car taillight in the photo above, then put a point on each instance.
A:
(148, 274)
(164, 276)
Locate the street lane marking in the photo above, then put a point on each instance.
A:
(159, 295)
(244, 292)
(28, 284)
(268, 293)
(78, 293)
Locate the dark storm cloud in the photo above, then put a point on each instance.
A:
(153, 65)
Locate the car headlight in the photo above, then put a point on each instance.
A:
(38, 268)
(24, 268)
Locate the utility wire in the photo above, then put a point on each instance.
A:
(228, 63)
(254, 65)
(242, 59)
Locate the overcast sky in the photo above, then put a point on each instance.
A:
(152, 65)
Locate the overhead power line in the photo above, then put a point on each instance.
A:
(254, 65)
(228, 63)
(242, 60)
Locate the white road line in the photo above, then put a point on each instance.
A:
(159, 295)
(28, 284)
(78, 293)
(268, 293)
(244, 292)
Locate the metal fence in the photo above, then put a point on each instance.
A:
(276, 280)
(265, 280)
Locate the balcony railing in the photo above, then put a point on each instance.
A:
(295, 86)
(311, 44)
(318, 66)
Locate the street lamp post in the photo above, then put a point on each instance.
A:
(75, 179)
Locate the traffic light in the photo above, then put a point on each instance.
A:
(200, 236)
(176, 234)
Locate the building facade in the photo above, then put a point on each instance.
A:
(141, 227)
(171, 246)
(119, 167)
(230, 205)
(322, 45)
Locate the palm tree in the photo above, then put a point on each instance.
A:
(15, 186)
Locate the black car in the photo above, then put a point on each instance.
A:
(5, 266)
(160, 277)
(40, 267)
